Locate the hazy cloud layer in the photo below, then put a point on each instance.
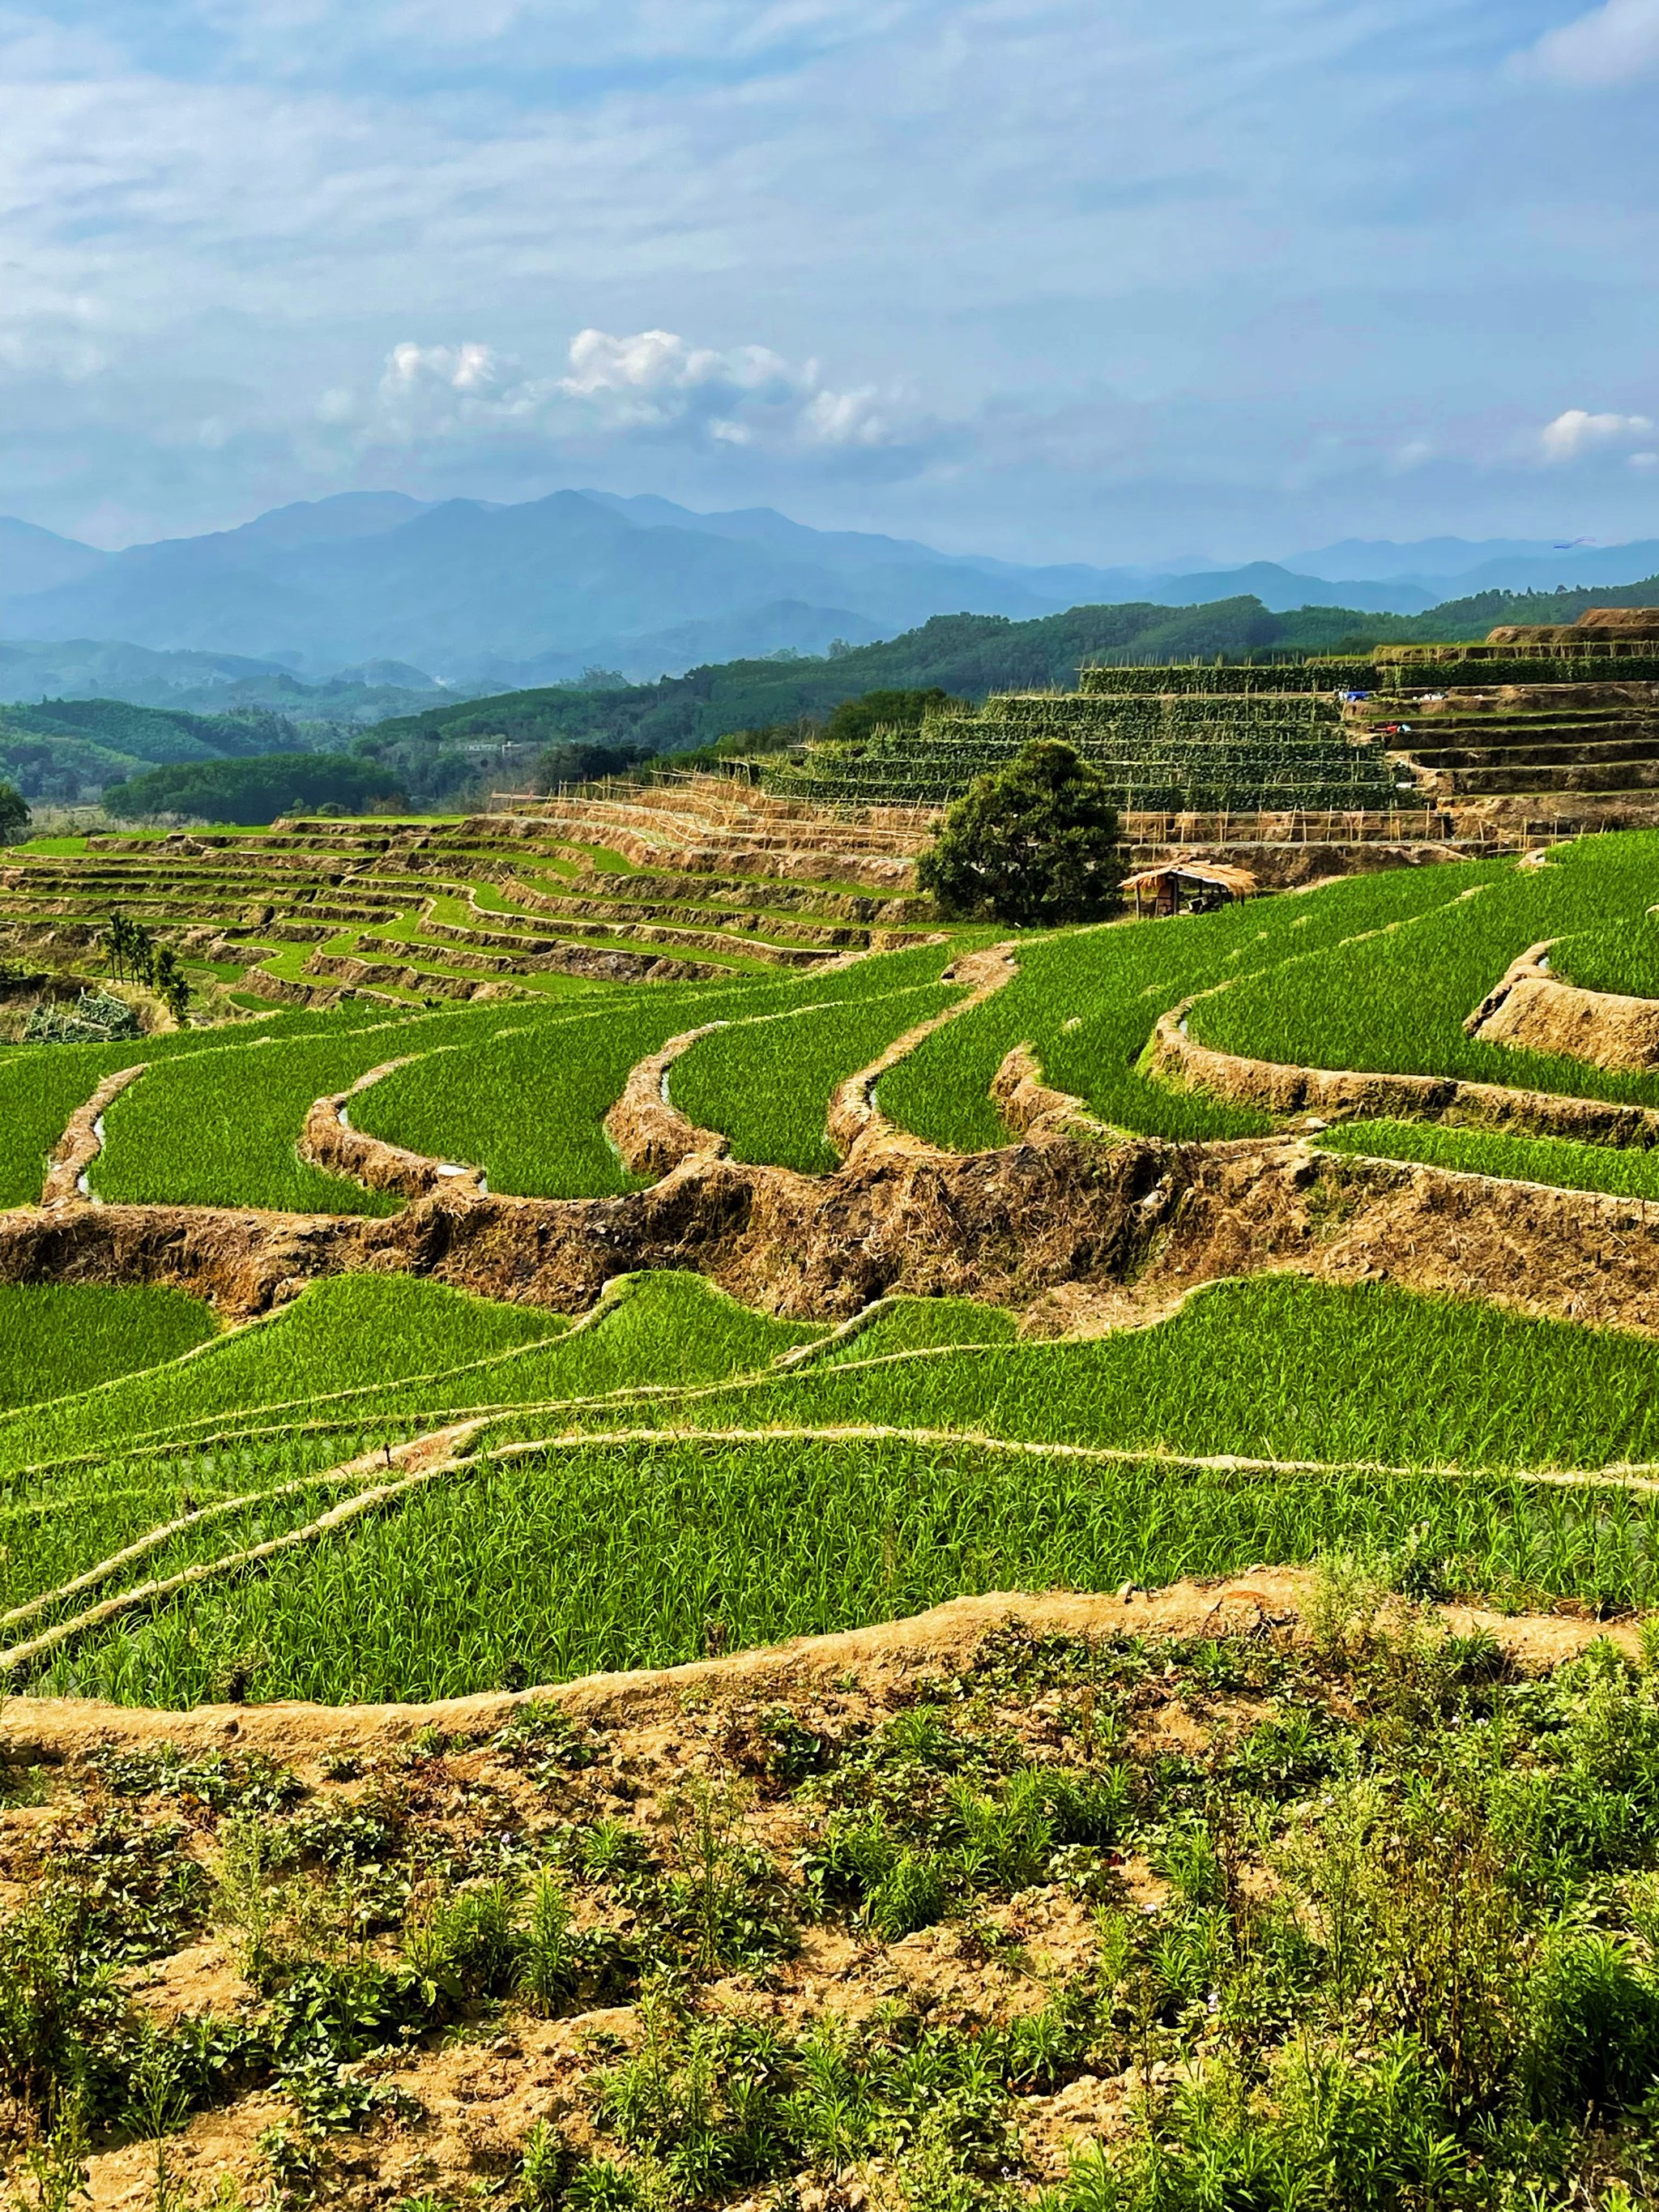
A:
(1611, 45)
(1031, 276)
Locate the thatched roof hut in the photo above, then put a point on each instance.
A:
(1178, 886)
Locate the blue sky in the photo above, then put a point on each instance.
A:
(1112, 280)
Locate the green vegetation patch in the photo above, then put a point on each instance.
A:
(1621, 955)
(1396, 1001)
(1086, 1000)
(529, 1105)
(378, 1357)
(344, 1333)
(582, 1559)
(1555, 1160)
(40, 1086)
(766, 1083)
(714, 1486)
(1274, 1368)
(56, 1338)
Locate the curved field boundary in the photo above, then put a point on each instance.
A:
(416, 1456)
(1028, 1105)
(83, 1141)
(329, 1141)
(650, 1134)
(854, 1119)
(1532, 1010)
(1275, 1087)
(40, 1730)
(428, 1458)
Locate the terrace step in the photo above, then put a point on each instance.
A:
(1608, 751)
(1632, 776)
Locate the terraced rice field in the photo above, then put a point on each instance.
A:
(715, 1476)
(1028, 1904)
(519, 906)
(770, 1472)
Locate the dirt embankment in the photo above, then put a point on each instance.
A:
(329, 1141)
(1534, 1011)
(651, 1135)
(1344, 1094)
(83, 1139)
(890, 1656)
(1080, 1235)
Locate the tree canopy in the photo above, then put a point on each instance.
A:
(1034, 844)
(15, 817)
(250, 791)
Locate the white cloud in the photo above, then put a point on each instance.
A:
(441, 391)
(746, 396)
(651, 382)
(1576, 432)
(1610, 45)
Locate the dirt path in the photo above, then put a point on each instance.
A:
(82, 1142)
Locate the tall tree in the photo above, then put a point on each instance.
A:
(169, 979)
(1034, 844)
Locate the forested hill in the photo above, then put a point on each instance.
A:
(967, 655)
(66, 750)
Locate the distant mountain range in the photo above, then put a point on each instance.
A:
(484, 597)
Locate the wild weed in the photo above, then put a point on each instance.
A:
(549, 1966)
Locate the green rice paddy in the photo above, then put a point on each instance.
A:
(56, 1338)
(702, 1490)
(675, 1472)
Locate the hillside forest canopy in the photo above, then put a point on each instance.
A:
(69, 752)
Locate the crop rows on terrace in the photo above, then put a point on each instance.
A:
(1399, 1001)
(410, 914)
(528, 1105)
(1236, 749)
(41, 1085)
(520, 1090)
(714, 1494)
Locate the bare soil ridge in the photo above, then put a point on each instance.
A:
(1533, 1010)
(50, 1730)
(83, 1141)
(1280, 1088)
(1077, 1235)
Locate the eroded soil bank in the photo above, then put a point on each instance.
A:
(1077, 1233)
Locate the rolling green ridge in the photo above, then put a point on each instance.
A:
(968, 656)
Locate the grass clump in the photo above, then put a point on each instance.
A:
(1369, 1918)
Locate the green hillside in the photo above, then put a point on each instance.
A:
(970, 656)
(64, 749)
(1276, 1791)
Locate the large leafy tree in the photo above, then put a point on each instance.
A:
(14, 814)
(1034, 844)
